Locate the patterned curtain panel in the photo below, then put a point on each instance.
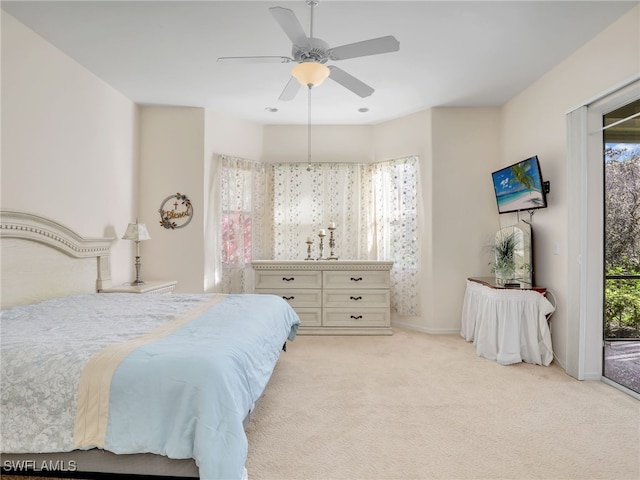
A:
(374, 207)
(243, 212)
(392, 201)
(268, 211)
(306, 201)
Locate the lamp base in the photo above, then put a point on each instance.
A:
(137, 281)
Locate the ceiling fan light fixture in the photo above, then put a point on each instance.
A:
(310, 74)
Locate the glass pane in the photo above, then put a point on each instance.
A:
(622, 363)
(236, 238)
(622, 308)
(622, 246)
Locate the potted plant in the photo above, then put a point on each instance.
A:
(504, 266)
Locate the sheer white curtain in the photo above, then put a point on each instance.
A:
(375, 208)
(267, 211)
(239, 208)
(306, 201)
(392, 203)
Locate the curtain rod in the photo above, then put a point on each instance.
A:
(344, 163)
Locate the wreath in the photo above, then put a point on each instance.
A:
(170, 219)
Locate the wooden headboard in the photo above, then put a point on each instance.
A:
(43, 259)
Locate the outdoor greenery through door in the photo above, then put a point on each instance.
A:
(622, 246)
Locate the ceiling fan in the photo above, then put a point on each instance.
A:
(312, 53)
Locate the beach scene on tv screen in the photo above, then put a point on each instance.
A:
(519, 187)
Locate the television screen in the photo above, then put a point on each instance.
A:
(520, 187)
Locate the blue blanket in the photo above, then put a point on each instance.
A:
(186, 395)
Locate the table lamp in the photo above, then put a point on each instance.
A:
(137, 232)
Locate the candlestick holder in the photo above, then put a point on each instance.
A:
(309, 243)
(321, 235)
(332, 244)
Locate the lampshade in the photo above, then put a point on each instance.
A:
(310, 73)
(136, 232)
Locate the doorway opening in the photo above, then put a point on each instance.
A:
(621, 188)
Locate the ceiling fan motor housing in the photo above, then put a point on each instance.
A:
(317, 52)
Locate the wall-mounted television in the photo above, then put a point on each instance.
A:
(520, 187)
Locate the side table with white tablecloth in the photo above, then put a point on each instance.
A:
(507, 325)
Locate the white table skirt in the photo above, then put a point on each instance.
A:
(509, 326)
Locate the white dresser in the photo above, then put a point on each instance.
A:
(339, 297)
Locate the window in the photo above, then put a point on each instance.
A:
(236, 214)
(394, 209)
(242, 203)
(268, 211)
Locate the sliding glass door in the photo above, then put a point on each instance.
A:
(621, 352)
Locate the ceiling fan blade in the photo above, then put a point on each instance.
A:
(291, 26)
(350, 82)
(373, 46)
(290, 90)
(262, 59)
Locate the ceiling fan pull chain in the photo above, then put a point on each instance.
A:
(309, 130)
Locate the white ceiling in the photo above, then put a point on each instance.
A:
(472, 53)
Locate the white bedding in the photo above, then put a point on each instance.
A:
(46, 422)
(173, 375)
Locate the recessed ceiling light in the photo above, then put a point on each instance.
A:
(271, 109)
(363, 110)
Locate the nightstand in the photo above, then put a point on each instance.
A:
(151, 287)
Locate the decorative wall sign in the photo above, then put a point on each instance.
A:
(175, 211)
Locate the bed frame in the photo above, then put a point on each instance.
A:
(42, 259)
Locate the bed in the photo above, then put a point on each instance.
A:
(119, 383)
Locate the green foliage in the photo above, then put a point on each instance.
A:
(504, 250)
(622, 304)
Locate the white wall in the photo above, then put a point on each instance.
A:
(171, 162)
(69, 143)
(329, 143)
(534, 122)
(179, 146)
(402, 137)
(228, 135)
(465, 152)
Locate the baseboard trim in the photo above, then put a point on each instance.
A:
(431, 331)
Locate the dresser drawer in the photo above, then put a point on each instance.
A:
(356, 279)
(349, 298)
(288, 279)
(310, 317)
(297, 297)
(331, 297)
(353, 317)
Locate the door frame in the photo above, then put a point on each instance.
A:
(585, 243)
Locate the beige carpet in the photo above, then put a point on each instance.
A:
(416, 406)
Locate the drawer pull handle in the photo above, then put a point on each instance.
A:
(288, 279)
(288, 298)
(356, 298)
(356, 279)
(356, 317)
